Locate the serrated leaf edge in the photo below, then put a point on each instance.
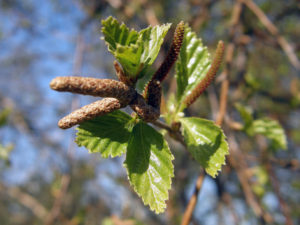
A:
(161, 209)
(225, 139)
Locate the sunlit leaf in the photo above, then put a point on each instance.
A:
(261, 180)
(134, 50)
(5, 153)
(149, 166)
(130, 58)
(192, 65)
(152, 38)
(206, 142)
(272, 130)
(116, 33)
(266, 126)
(106, 134)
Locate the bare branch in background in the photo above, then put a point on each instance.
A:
(25, 199)
(283, 205)
(237, 160)
(285, 45)
(193, 200)
(66, 178)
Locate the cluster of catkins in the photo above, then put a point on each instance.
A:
(119, 94)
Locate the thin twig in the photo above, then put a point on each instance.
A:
(225, 85)
(285, 45)
(150, 13)
(223, 102)
(162, 125)
(283, 205)
(237, 160)
(264, 159)
(226, 198)
(117, 221)
(176, 135)
(25, 199)
(66, 178)
(193, 200)
(235, 17)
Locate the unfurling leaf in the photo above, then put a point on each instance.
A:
(272, 130)
(117, 34)
(206, 142)
(149, 166)
(134, 50)
(106, 134)
(172, 54)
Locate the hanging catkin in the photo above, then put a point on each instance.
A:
(209, 77)
(98, 108)
(94, 87)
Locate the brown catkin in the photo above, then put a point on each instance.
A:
(94, 87)
(98, 108)
(172, 55)
(145, 111)
(209, 77)
(153, 91)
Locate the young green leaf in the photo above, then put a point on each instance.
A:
(117, 34)
(4, 114)
(152, 38)
(206, 142)
(149, 166)
(272, 130)
(192, 65)
(266, 126)
(134, 50)
(106, 134)
(261, 180)
(246, 114)
(5, 153)
(130, 58)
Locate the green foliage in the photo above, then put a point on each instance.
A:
(134, 50)
(4, 116)
(149, 166)
(5, 152)
(246, 115)
(107, 221)
(270, 128)
(107, 134)
(116, 34)
(262, 179)
(148, 157)
(191, 67)
(111, 221)
(206, 142)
